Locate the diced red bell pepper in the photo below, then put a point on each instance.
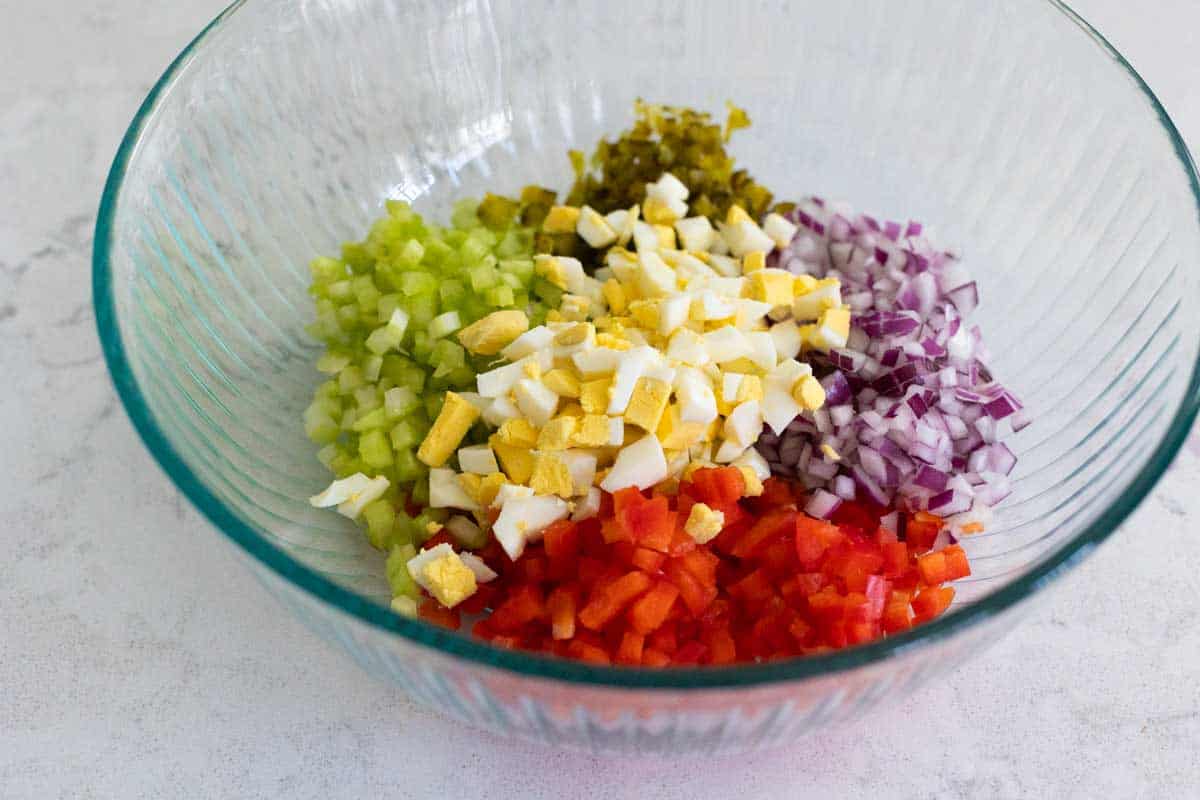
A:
(654, 658)
(590, 571)
(895, 559)
(857, 516)
(651, 522)
(717, 485)
(681, 542)
(561, 543)
(607, 602)
(533, 568)
(433, 611)
(441, 537)
(754, 591)
(485, 593)
(651, 609)
(957, 565)
(813, 538)
(826, 604)
(721, 647)
(690, 653)
(921, 531)
(613, 531)
(507, 642)
(523, 605)
(854, 564)
(562, 604)
(801, 631)
(696, 595)
(931, 602)
(631, 648)
(588, 653)
(647, 560)
(773, 524)
(861, 632)
(664, 639)
(897, 616)
(702, 564)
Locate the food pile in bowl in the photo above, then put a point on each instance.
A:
(667, 421)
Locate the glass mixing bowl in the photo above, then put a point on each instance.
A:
(1013, 127)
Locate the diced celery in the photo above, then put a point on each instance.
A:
(547, 292)
(357, 256)
(399, 210)
(347, 318)
(366, 398)
(420, 496)
(411, 254)
(387, 304)
(437, 251)
(345, 464)
(422, 347)
(406, 435)
(372, 367)
(463, 214)
(414, 283)
(320, 427)
(374, 448)
(451, 292)
(326, 270)
(350, 379)
(371, 421)
(326, 454)
(460, 376)
(444, 324)
(482, 277)
(522, 268)
(399, 401)
(423, 308)
(449, 354)
(470, 536)
(380, 517)
(396, 568)
(429, 519)
(332, 363)
(433, 404)
(500, 296)
(408, 468)
(341, 291)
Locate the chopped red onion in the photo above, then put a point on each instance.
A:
(911, 406)
(822, 504)
(843, 487)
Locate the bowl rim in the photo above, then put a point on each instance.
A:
(533, 665)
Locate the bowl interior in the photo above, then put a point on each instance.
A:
(1028, 146)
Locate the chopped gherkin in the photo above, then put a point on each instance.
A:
(685, 142)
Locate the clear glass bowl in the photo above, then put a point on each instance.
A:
(1013, 127)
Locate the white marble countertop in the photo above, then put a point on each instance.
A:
(138, 659)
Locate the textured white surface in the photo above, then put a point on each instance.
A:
(138, 659)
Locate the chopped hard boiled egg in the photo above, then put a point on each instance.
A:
(478, 459)
(446, 491)
(351, 494)
(522, 520)
(444, 574)
(641, 464)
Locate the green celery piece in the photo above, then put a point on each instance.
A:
(350, 379)
(326, 270)
(375, 450)
(371, 421)
(380, 518)
(396, 568)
